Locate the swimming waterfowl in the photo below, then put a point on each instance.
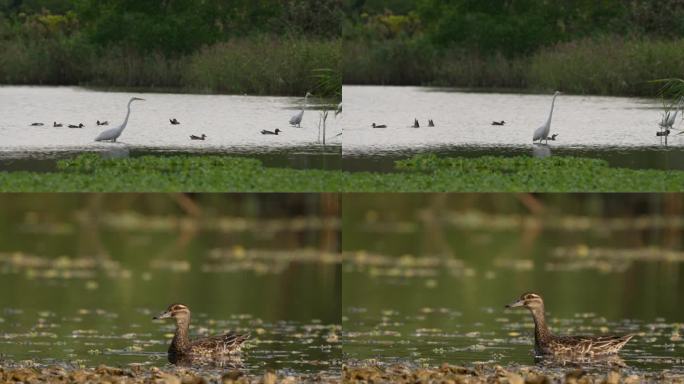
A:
(54, 124)
(546, 343)
(37, 124)
(174, 121)
(80, 125)
(415, 124)
(663, 133)
(553, 137)
(498, 122)
(193, 137)
(379, 126)
(431, 123)
(265, 132)
(182, 348)
(102, 122)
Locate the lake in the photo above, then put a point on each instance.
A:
(620, 130)
(84, 276)
(426, 278)
(232, 124)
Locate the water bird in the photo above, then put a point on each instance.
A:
(265, 132)
(296, 120)
(174, 121)
(338, 110)
(431, 123)
(669, 118)
(379, 126)
(498, 122)
(546, 343)
(416, 124)
(99, 123)
(80, 125)
(37, 124)
(193, 137)
(113, 133)
(553, 137)
(182, 348)
(55, 125)
(663, 133)
(542, 133)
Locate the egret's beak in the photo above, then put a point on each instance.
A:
(163, 315)
(517, 303)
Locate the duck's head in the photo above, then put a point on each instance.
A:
(277, 130)
(177, 311)
(528, 300)
(137, 99)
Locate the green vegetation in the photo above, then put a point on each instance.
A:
(610, 47)
(277, 48)
(420, 173)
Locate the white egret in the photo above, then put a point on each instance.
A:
(113, 133)
(265, 132)
(542, 133)
(193, 137)
(669, 118)
(379, 126)
(338, 110)
(296, 120)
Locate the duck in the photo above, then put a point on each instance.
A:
(663, 133)
(546, 343)
(193, 137)
(498, 122)
(174, 121)
(80, 125)
(99, 123)
(37, 124)
(415, 124)
(183, 349)
(431, 123)
(57, 125)
(553, 137)
(379, 126)
(265, 132)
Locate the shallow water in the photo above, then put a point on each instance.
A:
(621, 130)
(425, 285)
(82, 289)
(231, 123)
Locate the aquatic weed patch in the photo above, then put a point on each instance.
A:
(430, 173)
(169, 173)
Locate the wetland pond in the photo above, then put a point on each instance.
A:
(429, 287)
(232, 125)
(617, 129)
(81, 288)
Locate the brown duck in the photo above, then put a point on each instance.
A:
(184, 349)
(546, 343)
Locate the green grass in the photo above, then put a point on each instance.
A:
(605, 66)
(421, 173)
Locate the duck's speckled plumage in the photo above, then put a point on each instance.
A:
(182, 348)
(546, 343)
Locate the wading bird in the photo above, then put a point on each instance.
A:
(542, 133)
(193, 137)
(296, 120)
(80, 125)
(204, 348)
(669, 118)
(55, 125)
(338, 110)
(546, 343)
(379, 126)
(498, 122)
(265, 132)
(174, 121)
(113, 133)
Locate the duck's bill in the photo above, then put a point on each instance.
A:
(518, 303)
(163, 315)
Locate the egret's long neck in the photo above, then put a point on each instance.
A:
(128, 113)
(553, 103)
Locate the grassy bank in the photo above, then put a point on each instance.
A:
(606, 66)
(422, 173)
(261, 65)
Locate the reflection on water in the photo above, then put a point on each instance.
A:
(232, 123)
(88, 275)
(427, 277)
(620, 130)
(541, 151)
